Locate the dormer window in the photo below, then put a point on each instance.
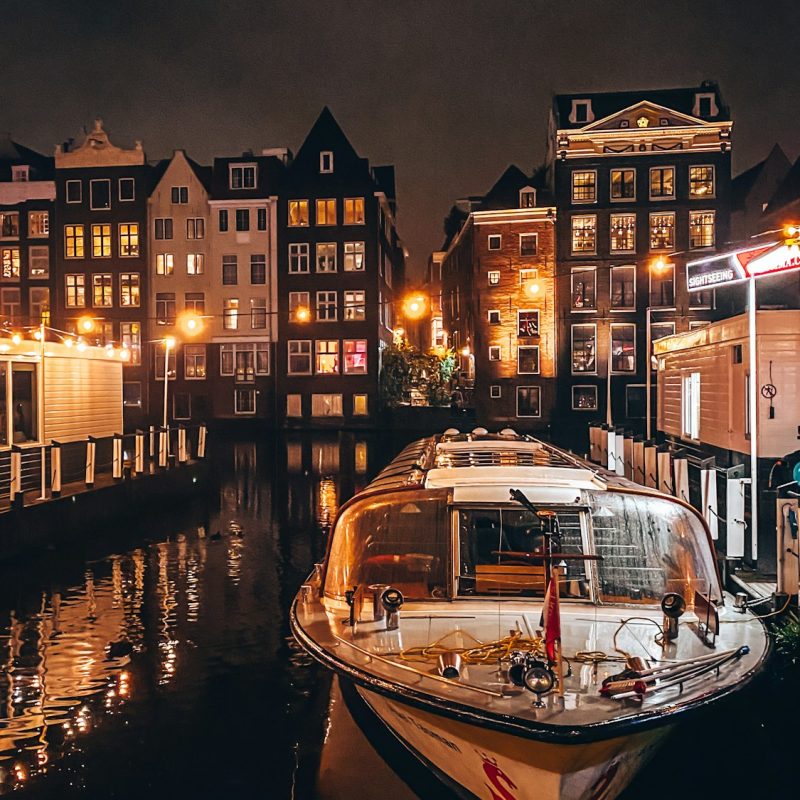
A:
(705, 105)
(581, 111)
(527, 197)
(20, 174)
(326, 161)
(242, 176)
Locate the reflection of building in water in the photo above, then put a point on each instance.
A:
(326, 505)
(361, 458)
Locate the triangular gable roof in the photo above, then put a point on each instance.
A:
(788, 191)
(646, 109)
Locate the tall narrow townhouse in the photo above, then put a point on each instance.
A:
(100, 265)
(241, 305)
(340, 272)
(182, 286)
(27, 192)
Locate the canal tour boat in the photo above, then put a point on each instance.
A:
(530, 626)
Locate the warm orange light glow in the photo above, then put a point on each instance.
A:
(85, 324)
(125, 354)
(16, 338)
(302, 314)
(69, 342)
(414, 305)
(170, 342)
(37, 335)
(532, 288)
(659, 264)
(465, 351)
(190, 323)
(791, 232)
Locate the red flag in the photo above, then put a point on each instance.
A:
(551, 616)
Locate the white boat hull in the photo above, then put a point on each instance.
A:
(500, 766)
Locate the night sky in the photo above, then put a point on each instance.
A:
(450, 92)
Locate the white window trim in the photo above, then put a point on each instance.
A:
(255, 402)
(495, 392)
(529, 416)
(538, 323)
(611, 197)
(138, 239)
(301, 252)
(538, 370)
(205, 357)
(572, 349)
(650, 291)
(714, 229)
(574, 271)
(322, 156)
(499, 238)
(335, 294)
(575, 202)
(242, 165)
(489, 278)
(122, 199)
(498, 349)
(611, 216)
(573, 251)
(611, 344)
(489, 316)
(713, 169)
(660, 198)
(535, 237)
(622, 309)
(100, 180)
(583, 386)
(66, 191)
(310, 354)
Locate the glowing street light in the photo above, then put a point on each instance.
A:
(85, 325)
(414, 306)
(190, 323)
(532, 288)
(302, 314)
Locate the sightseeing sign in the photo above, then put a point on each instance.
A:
(738, 265)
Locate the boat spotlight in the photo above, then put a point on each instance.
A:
(392, 601)
(673, 605)
(539, 679)
(449, 665)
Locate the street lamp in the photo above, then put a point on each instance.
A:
(414, 305)
(191, 324)
(658, 265)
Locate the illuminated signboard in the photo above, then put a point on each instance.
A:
(724, 269)
(784, 258)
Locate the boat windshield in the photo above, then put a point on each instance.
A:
(400, 539)
(649, 546)
(502, 551)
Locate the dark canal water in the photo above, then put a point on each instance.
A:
(154, 660)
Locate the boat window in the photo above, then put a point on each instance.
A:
(648, 547)
(399, 539)
(502, 551)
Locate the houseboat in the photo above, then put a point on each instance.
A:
(528, 625)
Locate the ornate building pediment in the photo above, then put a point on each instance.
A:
(642, 116)
(96, 150)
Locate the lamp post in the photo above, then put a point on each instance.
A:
(659, 265)
(169, 344)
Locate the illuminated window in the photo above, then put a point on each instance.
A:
(494, 352)
(662, 231)
(230, 313)
(326, 405)
(662, 287)
(623, 184)
(326, 257)
(163, 228)
(298, 258)
(127, 189)
(438, 336)
(195, 264)
(39, 261)
(100, 194)
(584, 186)
(101, 241)
(528, 244)
(299, 351)
(527, 323)
(690, 405)
(584, 288)
(38, 224)
(353, 256)
(195, 302)
(258, 312)
(353, 211)
(129, 289)
(129, 239)
(327, 362)
(298, 300)
(527, 198)
(584, 234)
(195, 228)
(102, 291)
(242, 176)
(701, 181)
(493, 278)
(623, 348)
(294, 405)
(242, 219)
(584, 339)
(584, 398)
(326, 212)
(9, 263)
(623, 287)
(9, 224)
(662, 183)
(355, 307)
(623, 233)
(327, 310)
(360, 405)
(131, 336)
(526, 276)
(298, 212)
(75, 291)
(194, 362)
(529, 401)
(165, 263)
(73, 241)
(494, 241)
(527, 360)
(74, 191)
(355, 356)
(326, 161)
(658, 330)
(11, 304)
(230, 270)
(701, 229)
(180, 195)
(258, 269)
(40, 304)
